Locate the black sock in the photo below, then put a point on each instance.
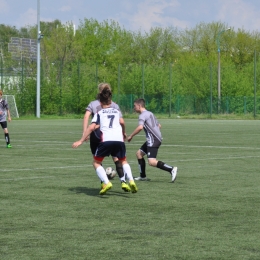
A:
(141, 163)
(119, 169)
(163, 166)
(7, 138)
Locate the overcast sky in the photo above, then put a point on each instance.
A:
(136, 14)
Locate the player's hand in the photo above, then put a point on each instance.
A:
(125, 136)
(9, 119)
(129, 138)
(76, 144)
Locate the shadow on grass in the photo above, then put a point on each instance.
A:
(95, 192)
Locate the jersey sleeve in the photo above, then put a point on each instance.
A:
(89, 108)
(96, 119)
(141, 119)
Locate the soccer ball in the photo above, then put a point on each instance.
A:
(111, 173)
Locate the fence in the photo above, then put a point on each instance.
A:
(67, 87)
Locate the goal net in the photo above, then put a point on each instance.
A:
(12, 105)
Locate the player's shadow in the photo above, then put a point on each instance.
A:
(95, 192)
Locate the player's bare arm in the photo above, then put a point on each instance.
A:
(86, 133)
(122, 123)
(136, 131)
(85, 122)
(9, 115)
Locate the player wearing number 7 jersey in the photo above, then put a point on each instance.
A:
(112, 129)
(149, 123)
(94, 139)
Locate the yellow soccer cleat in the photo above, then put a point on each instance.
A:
(133, 187)
(105, 188)
(125, 187)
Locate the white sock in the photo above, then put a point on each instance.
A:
(123, 178)
(101, 173)
(127, 171)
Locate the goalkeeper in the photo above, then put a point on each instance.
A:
(3, 110)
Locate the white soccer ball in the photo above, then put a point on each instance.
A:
(111, 173)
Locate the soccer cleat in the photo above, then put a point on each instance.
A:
(125, 187)
(133, 187)
(102, 185)
(174, 173)
(105, 188)
(9, 146)
(141, 179)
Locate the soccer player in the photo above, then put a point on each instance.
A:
(112, 130)
(149, 123)
(92, 108)
(3, 109)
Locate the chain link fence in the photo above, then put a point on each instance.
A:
(68, 87)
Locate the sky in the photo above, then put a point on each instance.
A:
(135, 15)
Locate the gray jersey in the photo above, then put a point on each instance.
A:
(151, 128)
(3, 108)
(95, 106)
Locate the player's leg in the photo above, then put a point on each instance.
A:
(117, 151)
(152, 154)
(7, 137)
(93, 147)
(102, 151)
(121, 155)
(128, 171)
(141, 162)
(119, 168)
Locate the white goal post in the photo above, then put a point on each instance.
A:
(12, 105)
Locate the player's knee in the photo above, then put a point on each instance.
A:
(139, 154)
(152, 162)
(115, 159)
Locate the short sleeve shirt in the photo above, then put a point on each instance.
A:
(151, 128)
(94, 107)
(110, 128)
(3, 108)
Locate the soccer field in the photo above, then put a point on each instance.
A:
(51, 207)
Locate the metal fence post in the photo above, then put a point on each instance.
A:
(255, 84)
(78, 70)
(210, 90)
(170, 89)
(143, 79)
(118, 84)
(60, 87)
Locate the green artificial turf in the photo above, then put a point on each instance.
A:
(50, 206)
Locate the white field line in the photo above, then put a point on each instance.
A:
(224, 158)
(28, 178)
(46, 168)
(135, 143)
(89, 165)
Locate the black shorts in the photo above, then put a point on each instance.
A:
(93, 146)
(113, 148)
(151, 152)
(3, 124)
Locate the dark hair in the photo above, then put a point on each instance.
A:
(105, 96)
(140, 101)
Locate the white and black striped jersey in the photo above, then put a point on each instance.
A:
(110, 128)
(3, 108)
(151, 128)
